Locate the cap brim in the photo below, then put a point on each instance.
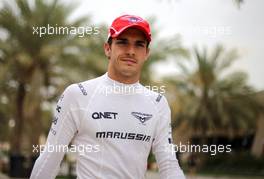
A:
(135, 26)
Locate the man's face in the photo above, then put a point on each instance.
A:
(127, 53)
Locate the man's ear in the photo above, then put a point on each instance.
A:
(148, 53)
(107, 49)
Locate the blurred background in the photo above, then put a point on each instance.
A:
(208, 55)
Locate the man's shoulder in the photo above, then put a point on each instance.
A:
(155, 96)
(83, 88)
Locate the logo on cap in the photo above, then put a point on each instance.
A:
(134, 19)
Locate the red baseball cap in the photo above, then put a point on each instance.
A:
(124, 22)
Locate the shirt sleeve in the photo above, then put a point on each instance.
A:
(162, 146)
(62, 130)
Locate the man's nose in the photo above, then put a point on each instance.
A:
(131, 50)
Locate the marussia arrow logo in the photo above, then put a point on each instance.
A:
(142, 117)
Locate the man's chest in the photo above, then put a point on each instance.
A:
(130, 119)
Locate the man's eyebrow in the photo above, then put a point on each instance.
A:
(141, 41)
(123, 39)
(137, 41)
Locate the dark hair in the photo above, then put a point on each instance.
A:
(110, 40)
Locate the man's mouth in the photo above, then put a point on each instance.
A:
(129, 60)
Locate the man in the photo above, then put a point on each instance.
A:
(113, 117)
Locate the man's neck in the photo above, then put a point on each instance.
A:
(122, 78)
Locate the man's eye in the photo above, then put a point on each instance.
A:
(140, 45)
